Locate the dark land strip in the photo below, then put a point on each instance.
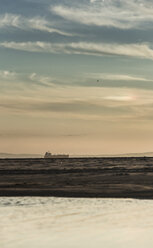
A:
(78, 177)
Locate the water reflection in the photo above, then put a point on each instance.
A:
(67, 222)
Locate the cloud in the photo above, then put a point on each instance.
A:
(81, 109)
(7, 20)
(43, 80)
(11, 81)
(36, 23)
(120, 14)
(92, 1)
(143, 50)
(74, 101)
(9, 75)
(119, 98)
(82, 103)
(117, 77)
(34, 46)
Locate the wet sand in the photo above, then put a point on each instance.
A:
(78, 177)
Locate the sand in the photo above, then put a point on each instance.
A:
(78, 177)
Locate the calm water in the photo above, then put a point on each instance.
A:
(36, 222)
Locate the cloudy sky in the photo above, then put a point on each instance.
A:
(76, 76)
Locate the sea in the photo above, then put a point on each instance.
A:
(52, 222)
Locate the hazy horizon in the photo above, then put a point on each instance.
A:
(76, 77)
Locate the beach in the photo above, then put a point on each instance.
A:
(130, 177)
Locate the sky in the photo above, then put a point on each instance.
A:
(76, 77)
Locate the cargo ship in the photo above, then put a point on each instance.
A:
(50, 155)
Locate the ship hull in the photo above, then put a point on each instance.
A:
(57, 156)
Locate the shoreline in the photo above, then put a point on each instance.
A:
(72, 195)
(130, 177)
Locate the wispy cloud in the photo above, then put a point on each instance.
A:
(25, 83)
(42, 79)
(36, 23)
(110, 107)
(81, 103)
(8, 75)
(120, 14)
(72, 108)
(123, 98)
(117, 77)
(143, 50)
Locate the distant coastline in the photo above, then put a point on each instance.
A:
(20, 155)
(28, 155)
